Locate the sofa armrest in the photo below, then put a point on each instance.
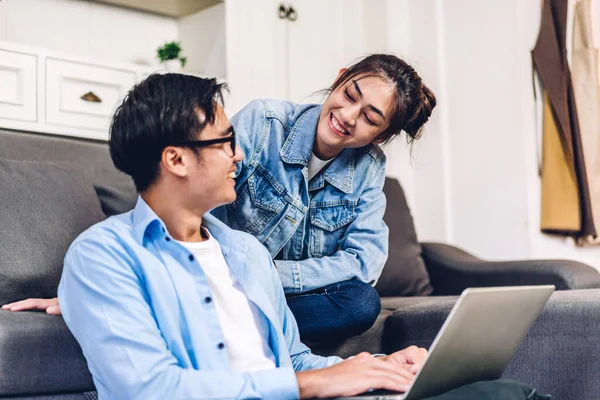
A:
(39, 355)
(452, 270)
(559, 355)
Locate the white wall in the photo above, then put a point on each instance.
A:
(413, 34)
(487, 163)
(472, 180)
(83, 27)
(202, 37)
(2, 20)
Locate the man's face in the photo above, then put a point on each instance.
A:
(211, 178)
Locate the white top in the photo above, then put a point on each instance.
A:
(245, 336)
(315, 164)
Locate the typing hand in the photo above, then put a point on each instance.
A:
(353, 376)
(411, 358)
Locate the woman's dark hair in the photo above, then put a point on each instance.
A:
(414, 101)
(158, 112)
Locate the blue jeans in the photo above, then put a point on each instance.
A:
(335, 312)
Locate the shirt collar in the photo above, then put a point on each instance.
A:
(298, 146)
(144, 218)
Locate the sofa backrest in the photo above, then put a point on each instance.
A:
(404, 273)
(51, 189)
(91, 158)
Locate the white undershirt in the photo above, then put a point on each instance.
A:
(315, 164)
(245, 336)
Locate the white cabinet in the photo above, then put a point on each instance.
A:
(268, 54)
(84, 96)
(324, 37)
(18, 86)
(293, 57)
(56, 93)
(255, 52)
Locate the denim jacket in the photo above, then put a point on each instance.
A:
(320, 232)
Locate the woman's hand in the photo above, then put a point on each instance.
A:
(49, 305)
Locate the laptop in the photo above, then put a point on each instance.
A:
(477, 341)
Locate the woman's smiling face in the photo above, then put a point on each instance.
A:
(353, 115)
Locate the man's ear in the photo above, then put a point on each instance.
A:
(174, 160)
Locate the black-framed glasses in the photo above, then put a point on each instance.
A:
(204, 143)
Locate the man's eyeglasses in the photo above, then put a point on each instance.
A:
(204, 143)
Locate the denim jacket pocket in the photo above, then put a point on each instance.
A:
(328, 225)
(257, 204)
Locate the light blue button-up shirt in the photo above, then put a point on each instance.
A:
(139, 304)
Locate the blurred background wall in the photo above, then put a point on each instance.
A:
(472, 180)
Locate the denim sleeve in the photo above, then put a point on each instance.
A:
(249, 124)
(302, 357)
(363, 248)
(105, 306)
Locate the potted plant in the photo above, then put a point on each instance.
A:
(170, 56)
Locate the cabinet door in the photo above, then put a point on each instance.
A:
(256, 52)
(325, 37)
(18, 76)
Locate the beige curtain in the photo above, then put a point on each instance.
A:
(566, 203)
(560, 196)
(584, 70)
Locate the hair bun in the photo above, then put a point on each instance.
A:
(421, 111)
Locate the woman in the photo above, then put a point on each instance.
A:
(310, 189)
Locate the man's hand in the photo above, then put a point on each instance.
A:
(354, 376)
(49, 305)
(412, 358)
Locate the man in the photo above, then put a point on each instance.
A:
(168, 302)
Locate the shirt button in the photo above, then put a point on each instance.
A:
(207, 300)
(221, 346)
(191, 257)
(168, 239)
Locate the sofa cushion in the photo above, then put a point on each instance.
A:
(115, 190)
(44, 208)
(404, 273)
(40, 355)
(116, 197)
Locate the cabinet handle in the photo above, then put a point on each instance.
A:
(291, 14)
(91, 97)
(282, 12)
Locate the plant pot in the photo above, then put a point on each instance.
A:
(172, 65)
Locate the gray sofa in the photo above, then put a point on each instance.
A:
(52, 188)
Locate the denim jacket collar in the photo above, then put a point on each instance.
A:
(298, 148)
(339, 173)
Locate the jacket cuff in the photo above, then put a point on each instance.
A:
(289, 273)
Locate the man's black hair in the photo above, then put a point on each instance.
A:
(160, 111)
